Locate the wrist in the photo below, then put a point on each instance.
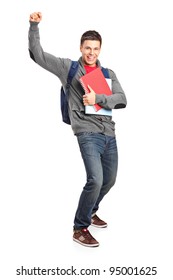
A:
(33, 25)
(99, 98)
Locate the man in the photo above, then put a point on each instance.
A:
(95, 133)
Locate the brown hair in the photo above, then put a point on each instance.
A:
(91, 35)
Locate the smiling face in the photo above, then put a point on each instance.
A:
(90, 50)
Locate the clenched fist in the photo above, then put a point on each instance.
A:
(36, 17)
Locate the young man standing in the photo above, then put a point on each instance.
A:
(95, 133)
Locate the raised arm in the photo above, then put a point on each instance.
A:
(46, 60)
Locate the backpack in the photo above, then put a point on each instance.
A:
(65, 92)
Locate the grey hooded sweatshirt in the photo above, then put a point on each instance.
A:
(80, 122)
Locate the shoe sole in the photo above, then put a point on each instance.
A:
(103, 226)
(86, 245)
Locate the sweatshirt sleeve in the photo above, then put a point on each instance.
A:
(115, 101)
(48, 61)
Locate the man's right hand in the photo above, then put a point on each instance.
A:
(36, 17)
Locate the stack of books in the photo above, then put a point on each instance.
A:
(96, 80)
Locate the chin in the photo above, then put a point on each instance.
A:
(91, 63)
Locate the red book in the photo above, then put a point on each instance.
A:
(96, 80)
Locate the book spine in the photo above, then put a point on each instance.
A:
(84, 87)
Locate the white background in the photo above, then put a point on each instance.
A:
(42, 173)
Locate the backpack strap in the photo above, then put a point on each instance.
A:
(72, 72)
(65, 92)
(105, 72)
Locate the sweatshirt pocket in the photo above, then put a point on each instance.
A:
(80, 114)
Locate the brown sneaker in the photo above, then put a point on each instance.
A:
(97, 222)
(84, 237)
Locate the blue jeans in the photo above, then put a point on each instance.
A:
(100, 156)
